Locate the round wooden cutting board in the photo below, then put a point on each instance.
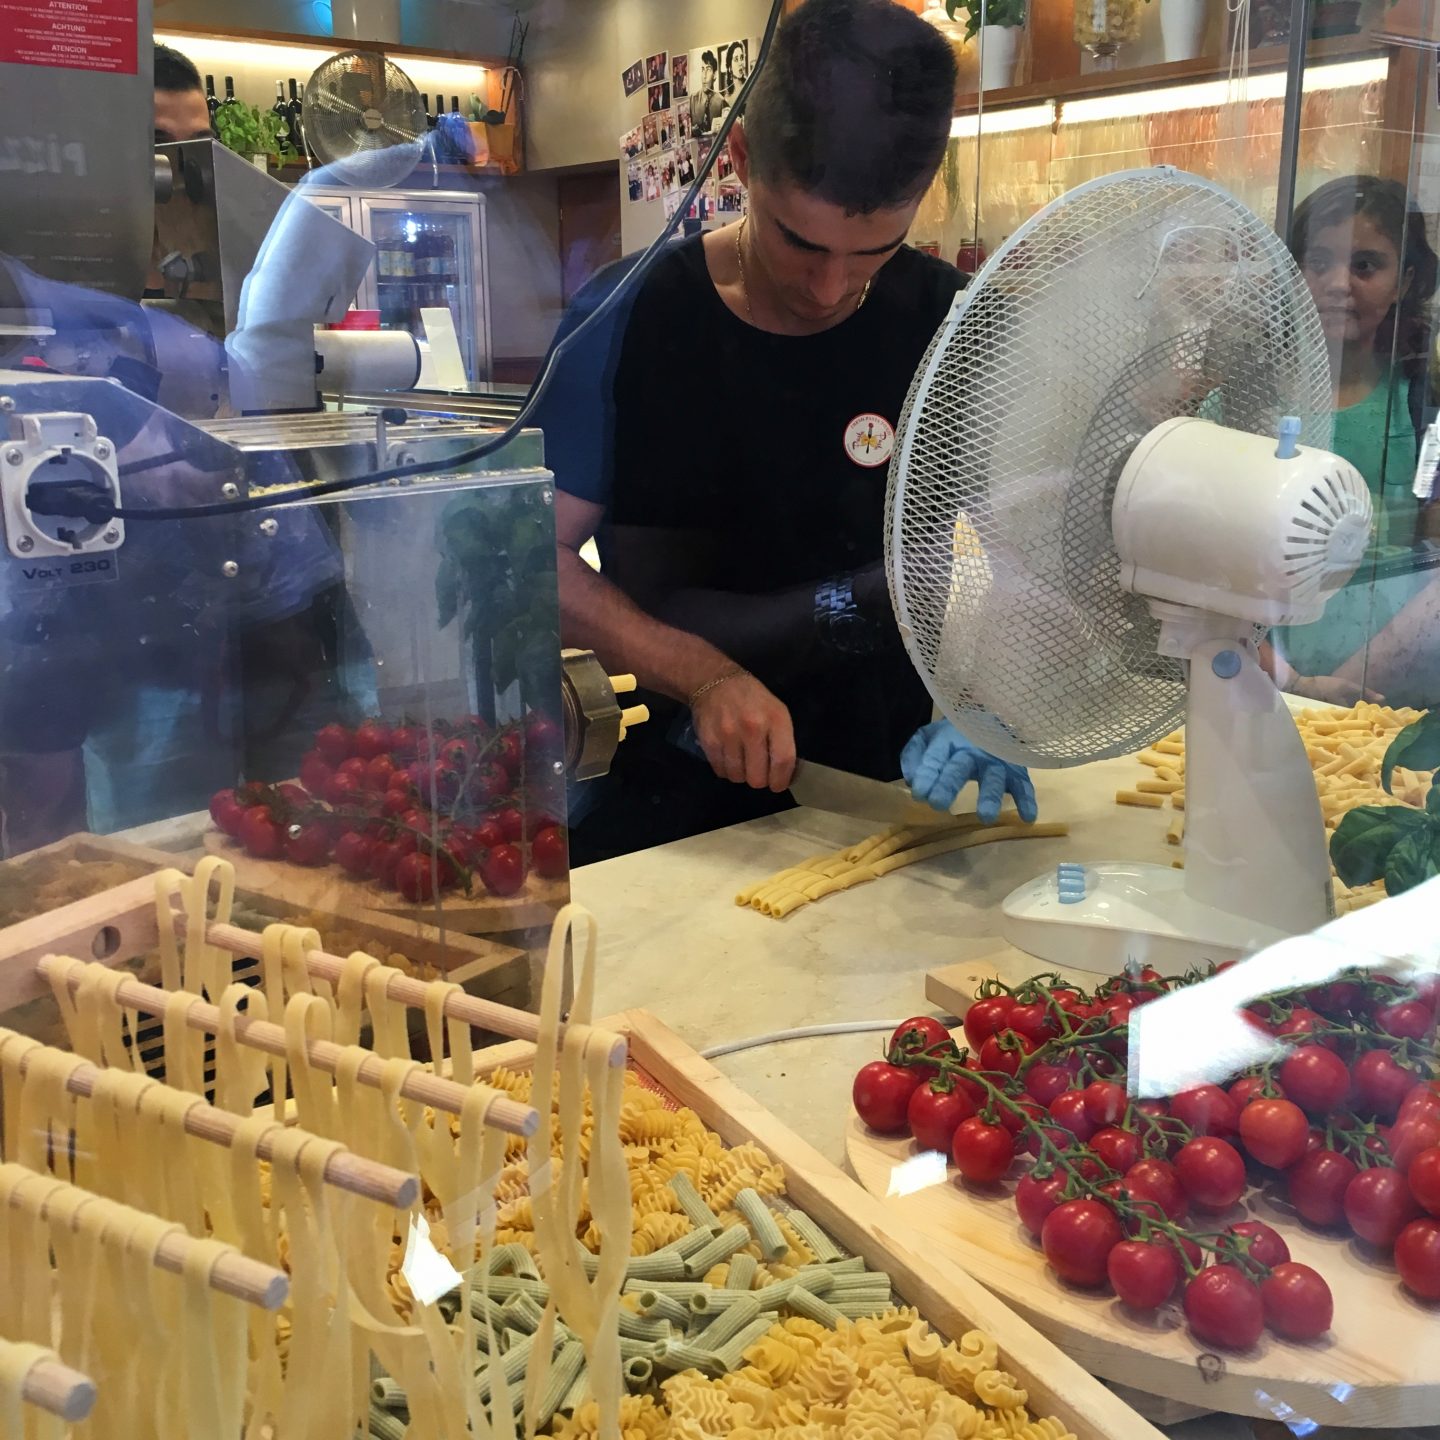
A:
(1379, 1366)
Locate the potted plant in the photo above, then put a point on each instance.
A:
(250, 131)
(999, 36)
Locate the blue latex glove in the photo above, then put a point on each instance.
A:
(939, 762)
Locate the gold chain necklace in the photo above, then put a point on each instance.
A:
(744, 284)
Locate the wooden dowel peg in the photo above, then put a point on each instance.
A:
(406, 990)
(52, 1385)
(232, 1273)
(504, 1113)
(344, 1170)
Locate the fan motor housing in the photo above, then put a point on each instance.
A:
(1215, 519)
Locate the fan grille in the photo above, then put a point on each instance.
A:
(1127, 302)
(364, 119)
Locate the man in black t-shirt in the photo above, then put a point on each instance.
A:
(757, 386)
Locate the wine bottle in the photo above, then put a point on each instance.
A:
(280, 109)
(212, 102)
(425, 106)
(454, 104)
(229, 90)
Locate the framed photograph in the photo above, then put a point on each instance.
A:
(707, 101)
(655, 68)
(680, 75)
(635, 183)
(683, 127)
(669, 170)
(724, 165)
(665, 129)
(632, 142)
(659, 98)
(734, 58)
(672, 201)
(685, 166)
(652, 180)
(731, 200)
(633, 77)
(650, 132)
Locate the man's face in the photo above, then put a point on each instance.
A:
(707, 76)
(181, 115)
(817, 257)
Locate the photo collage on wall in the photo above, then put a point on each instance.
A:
(687, 96)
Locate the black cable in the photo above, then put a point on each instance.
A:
(99, 511)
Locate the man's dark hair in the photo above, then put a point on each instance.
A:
(709, 58)
(173, 71)
(853, 105)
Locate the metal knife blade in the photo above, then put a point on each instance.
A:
(843, 793)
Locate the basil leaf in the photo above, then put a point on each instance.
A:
(1416, 747)
(1360, 848)
(1412, 861)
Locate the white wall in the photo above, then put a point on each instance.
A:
(522, 216)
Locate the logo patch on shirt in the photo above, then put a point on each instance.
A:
(870, 440)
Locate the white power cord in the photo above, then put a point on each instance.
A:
(807, 1032)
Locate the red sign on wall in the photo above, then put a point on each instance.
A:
(71, 34)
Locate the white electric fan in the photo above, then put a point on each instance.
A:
(1097, 498)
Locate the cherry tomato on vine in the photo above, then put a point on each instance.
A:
(1077, 1238)
(260, 834)
(352, 854)
(503, 870)
(1303, 1021)
(1298, 1303)
(1408, 1137)
(549, 853)
(1424, 1179)
(1105, 1102)
(309, 845)
(1034, 1021)
(934, 1115)
(1207, 1110)
(315, 772)
(1212, 1172)
(1224, 1307)
(1267, 1246)
(378, 771)
(1157, 1182)
(987, 1017)
(1275, 1132)
(1068, 1111)
(1119, 1149)
(1406, 1019)
(1317, 1186)
(1031, 1111)
(1315, 1079)
(415, 878)
(1005, 1052)
(982, 1152)
(1035, 1199)
(1379, 1205)
(333, 743)
(1144, 1275)
(1381, 1083)
(881, 1094)
(227, 812)
(1417, 1258)
(371, 738)
(1244, 1090)
(1044, 1081)
(921, 1035)
(1421, 1103)
(1340, 998)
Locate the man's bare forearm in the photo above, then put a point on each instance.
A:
(596, 614)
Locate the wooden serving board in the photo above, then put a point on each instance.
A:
(329, 888)
(941, 1290)
(1377, 1367)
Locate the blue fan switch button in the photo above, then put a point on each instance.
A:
(1070, 878)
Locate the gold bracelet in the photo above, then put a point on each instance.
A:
(733, 673)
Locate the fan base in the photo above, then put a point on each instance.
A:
(1130, 912)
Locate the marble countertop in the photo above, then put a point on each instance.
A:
(672, 939)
